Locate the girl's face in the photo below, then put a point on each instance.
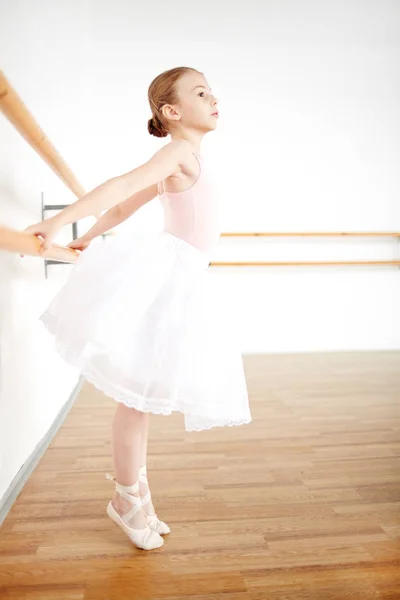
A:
(197, 105)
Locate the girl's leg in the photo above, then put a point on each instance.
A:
(148, 507)
(127, 430)
(145, 435)
(143, 485)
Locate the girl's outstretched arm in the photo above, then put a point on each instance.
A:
(116, 190)
(118, 213)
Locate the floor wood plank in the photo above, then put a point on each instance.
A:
(302, 504)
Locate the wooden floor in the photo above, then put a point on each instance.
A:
(302, 504)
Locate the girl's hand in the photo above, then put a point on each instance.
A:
(80, 243)
(47, 229)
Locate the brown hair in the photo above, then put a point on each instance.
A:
(162, 91)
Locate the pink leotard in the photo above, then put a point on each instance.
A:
(194, 214)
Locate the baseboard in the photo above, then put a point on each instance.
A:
(29, 465)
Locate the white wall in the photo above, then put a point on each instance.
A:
(308, 140)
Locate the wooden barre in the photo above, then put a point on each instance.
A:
(305, 263)
(25, 123)
(393, 234)
(29, 244)
(313, 234)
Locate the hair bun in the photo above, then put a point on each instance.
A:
(155, 127)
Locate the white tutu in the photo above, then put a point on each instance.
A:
(138, 317)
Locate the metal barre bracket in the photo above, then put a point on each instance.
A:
(45, 207)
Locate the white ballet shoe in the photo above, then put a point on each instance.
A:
(153, 520)
(146, 538)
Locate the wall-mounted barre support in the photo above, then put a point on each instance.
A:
(50, 261)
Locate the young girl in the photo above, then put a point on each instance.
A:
(137, 314)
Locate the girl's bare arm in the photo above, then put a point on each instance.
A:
(107, 221)
(132, 204)
(118, 189)
(119, 213)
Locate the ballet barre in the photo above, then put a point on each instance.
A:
(25, 123)
(28, 244)
(18, 114)
(303, 234)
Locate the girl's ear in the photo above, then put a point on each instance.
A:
(170, 112)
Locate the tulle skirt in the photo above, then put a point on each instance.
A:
(138, 317)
